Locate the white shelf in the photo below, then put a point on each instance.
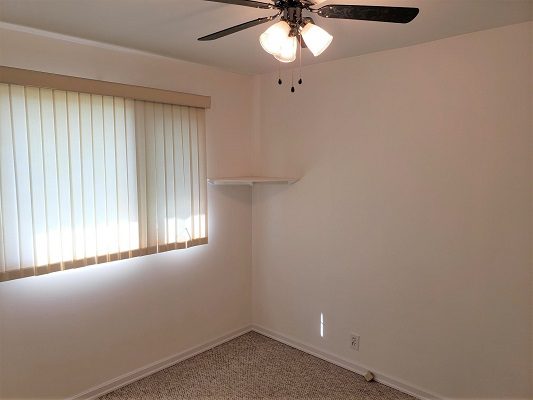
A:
(250, 180)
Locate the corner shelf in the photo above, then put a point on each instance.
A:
(250, 180)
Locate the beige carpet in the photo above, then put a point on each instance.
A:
(253, 366)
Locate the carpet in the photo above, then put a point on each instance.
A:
(253, 366)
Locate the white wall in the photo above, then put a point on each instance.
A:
(63, 333)
(411, 225)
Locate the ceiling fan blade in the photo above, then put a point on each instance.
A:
(237, 28)
(247, 3)
(401, 15)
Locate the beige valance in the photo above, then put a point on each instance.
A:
(24, 77)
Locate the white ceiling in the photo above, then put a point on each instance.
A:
(171, 27)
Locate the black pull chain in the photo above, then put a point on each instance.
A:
(279, 73)
(300, 69)
(292, 80)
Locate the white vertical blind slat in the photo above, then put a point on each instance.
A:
(70, 184)
(186, 172)
(88, 178)
(131, 162)
(86, 149)
(36, 182)
(195, 195)
(111, 225)
(160, 174)
(76, 174)
(63, 175)
(140, 138)
(22, 175)
(29, 181)
(8, 182)
(49, 149)
(151, 177)
(179, 182)
(170, 201)
(16, 177)
(121, 176)
(99, 177)
(202, 172)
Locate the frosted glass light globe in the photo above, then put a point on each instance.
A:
(272, 39)
(316, 38)
(287, 50)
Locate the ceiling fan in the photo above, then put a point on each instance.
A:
(282, 39)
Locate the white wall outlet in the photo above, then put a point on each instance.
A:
(355, 339)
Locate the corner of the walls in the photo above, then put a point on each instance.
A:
(394, 383)
(256, 127)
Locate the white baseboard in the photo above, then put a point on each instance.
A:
(123, 380)
(152, 368)
(347, 364)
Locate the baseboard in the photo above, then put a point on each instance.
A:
(347, 364)
(152, 368)
(123, 380)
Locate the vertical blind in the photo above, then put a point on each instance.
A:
(88, 179)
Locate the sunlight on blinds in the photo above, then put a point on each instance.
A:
(88, 179)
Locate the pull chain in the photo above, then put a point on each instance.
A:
(279, 73)
(300, 69)
(292, 80)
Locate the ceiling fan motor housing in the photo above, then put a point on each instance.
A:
(293, 16)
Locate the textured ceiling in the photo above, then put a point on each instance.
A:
(171, 27)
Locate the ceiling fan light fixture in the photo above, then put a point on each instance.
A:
(296, 31)
(316, 38)
(287, 50)
(274, 37)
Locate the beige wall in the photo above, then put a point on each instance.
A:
(61, 334)
(411, 225)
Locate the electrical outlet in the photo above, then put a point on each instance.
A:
(355, 339)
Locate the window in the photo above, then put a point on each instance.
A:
(89, 178)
